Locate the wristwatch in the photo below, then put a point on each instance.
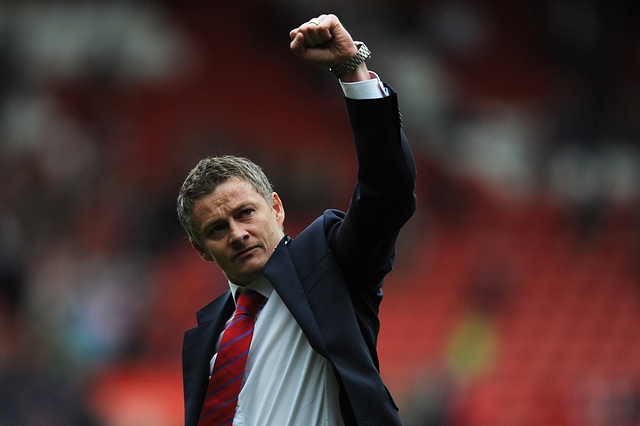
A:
(352, 63)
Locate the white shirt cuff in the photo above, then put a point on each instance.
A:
(368, 89)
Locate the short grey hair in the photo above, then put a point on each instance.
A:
(210, 172)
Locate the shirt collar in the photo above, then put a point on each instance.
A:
(261, 285)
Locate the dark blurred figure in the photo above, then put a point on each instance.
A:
(33, 392)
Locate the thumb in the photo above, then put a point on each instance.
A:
(297, 42)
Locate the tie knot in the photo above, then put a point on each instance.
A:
(248, 303)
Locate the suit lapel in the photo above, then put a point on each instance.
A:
(280, 271)
(198, 348)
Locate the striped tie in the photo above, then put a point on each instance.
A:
(228, 370)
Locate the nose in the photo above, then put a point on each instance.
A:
(237, 233)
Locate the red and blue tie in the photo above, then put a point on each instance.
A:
(228, 370)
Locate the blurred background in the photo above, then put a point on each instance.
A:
(515, 299)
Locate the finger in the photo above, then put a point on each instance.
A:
(317, 30)
(318, 19)
(315, 35)
(310, 24)
(314, 32)
(297, 44)
(313, 38)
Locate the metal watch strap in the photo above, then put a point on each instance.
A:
(352, 63)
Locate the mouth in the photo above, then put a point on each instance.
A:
(246, 252)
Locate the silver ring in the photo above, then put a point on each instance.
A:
(313, 21)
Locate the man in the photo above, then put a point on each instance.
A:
(312, 358)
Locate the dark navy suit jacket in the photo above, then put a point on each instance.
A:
(330, 276)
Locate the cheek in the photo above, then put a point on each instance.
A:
(215, 253)
(275, 233)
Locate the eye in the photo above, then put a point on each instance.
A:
(247, 212)
(217, 229)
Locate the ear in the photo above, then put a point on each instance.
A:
(278, 209)
(202, 252)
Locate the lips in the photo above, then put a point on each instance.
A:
(244, 252)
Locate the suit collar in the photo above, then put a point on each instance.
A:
(214, 309)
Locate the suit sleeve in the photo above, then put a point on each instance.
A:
(383, 198)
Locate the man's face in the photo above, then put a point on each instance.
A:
(237, 229)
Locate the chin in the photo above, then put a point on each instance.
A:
(251, 269)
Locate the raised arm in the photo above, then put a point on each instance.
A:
(383, 199)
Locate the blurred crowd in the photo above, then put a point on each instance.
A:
(76, 238)
(528, 100)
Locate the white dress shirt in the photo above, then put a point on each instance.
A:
(287, 383)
